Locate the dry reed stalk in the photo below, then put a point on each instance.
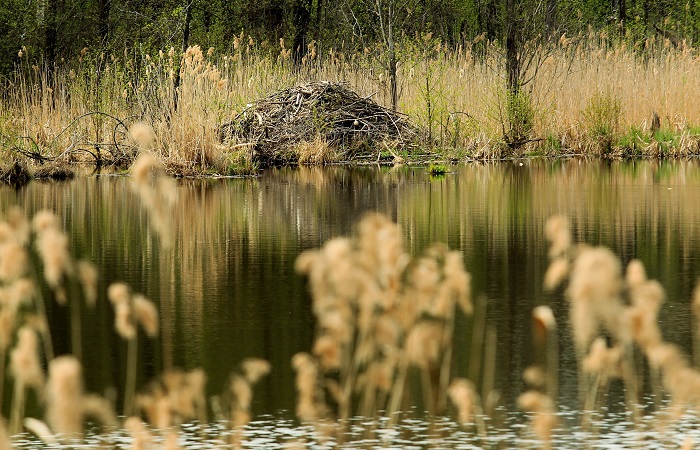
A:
(158, 195)
(241, 390)
(379, 315)
(544, 419)
(132, 310)
(546, 325)
(52, 246)
(64, 392)
(27, 372)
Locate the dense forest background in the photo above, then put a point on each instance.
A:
(51, 31)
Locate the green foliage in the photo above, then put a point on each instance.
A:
(554, 143)
(601, 117)
(667, 140)
(436, 169)
(520, 116)
(633, 141)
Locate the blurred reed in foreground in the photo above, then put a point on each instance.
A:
(383, 350)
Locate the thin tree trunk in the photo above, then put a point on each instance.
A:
(622, 16)
(512, 63)
(185, 44)
(50, 33)
(392, 59)
(103, 20)
(551, 17)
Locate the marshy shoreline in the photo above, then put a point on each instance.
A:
(592, 97)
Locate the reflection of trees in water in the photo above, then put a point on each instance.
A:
(229, 284)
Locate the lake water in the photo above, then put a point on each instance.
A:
(229, 290)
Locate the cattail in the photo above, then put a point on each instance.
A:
(463, 395)
(21, 292)
(45, 220)
(40, 430)
(119, 293)
(99, 408)
(544, 418)
(557, 232)
(544, 316)
(144, 165)
(124, 320)
(19, 224)
(603, 360)
(646, 298)
(64, 396)
(556, 273)
(13, 261)
(87, 274)
(24, 359)
(635, 275)
(8, 318)
(307, 408)
(142, 135)
(52, 245)
(424, 344)
(534, 376)
(254, 369)
(458, 281)
(327, 350)
(594, 291)
(142, 437)
(146, 314)
(158, 194)
(242, 392)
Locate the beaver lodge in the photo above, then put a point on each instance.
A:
(319, 122)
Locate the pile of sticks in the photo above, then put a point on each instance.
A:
(355, 125)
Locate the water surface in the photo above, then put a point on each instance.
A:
(228, 287)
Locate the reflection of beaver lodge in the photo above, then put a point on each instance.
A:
(322, 117)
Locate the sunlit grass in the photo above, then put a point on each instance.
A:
(588, 96)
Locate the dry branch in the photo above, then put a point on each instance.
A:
(353, 125)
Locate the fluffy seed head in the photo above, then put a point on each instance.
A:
(142, 134)
(463, 395)
(87, 274)
(24, 359)
(146, 314)
(254, 369)
(64, 396)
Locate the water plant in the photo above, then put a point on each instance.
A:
(436, 169)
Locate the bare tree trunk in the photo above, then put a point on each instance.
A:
(622, 16)
(50, 33)
(512, 62)
(392, 65)
(552, 17)
(301, 15)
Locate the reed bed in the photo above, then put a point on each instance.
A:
(590, 95)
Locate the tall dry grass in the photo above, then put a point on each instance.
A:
(384, 340)
(589, 96)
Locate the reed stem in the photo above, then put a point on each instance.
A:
(130, 387)
(17, 407)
